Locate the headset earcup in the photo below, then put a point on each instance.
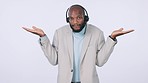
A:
(86, 18)
(67, 19)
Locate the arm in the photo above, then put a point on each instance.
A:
(49, 50)
(105, 48)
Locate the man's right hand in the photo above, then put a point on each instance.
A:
(35, 30)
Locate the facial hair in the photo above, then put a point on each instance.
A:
(81, 27)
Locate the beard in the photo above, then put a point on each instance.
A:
(79, 25)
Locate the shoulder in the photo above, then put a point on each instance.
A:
(64, 28)
(94, 29)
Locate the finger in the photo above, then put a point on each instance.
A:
(34, 27)
(24, 27)
(131, 30)
(128, 31)
(27, 29)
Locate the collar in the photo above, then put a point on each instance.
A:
(81, 33)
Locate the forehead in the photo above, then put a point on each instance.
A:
(73, 11)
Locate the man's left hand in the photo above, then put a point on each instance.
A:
(120, 32)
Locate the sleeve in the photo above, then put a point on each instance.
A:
(104, 49)
(50, 51)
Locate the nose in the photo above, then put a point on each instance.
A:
(75, 21)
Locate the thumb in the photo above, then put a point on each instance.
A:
(120, 29)
(34, 27)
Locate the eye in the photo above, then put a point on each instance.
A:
(70, 18)
(79, 17)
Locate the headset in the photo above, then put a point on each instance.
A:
(86, 17)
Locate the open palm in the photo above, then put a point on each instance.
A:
(120, 32)
(35, 30)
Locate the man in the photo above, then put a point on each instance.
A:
(78, 47)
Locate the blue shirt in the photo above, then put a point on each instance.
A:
(78, 38)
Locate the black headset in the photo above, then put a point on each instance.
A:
(86, 18)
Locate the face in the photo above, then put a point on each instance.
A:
(76, 19)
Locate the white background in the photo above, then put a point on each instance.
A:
(22, 60)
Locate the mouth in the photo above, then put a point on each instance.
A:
(76, 27)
